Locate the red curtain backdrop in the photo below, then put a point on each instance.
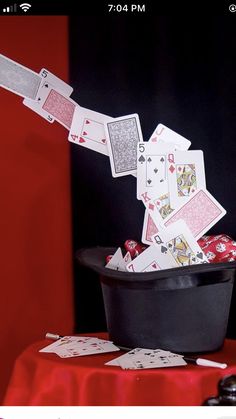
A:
(36, 260)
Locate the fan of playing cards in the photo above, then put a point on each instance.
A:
(170, 178)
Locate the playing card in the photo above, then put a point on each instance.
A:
(149, 229)
(88, 349)
(54, 81)
(58, 84)
(87, 129)
(178, 241)
(200, 212)
(60, 343)
(157, 204)
(186, 174)
(116, 262)
(70, 346)
(126, 259)
(18, 79)
(163, 134)
(35, 106)
(152, 259)
(57, 104)
(147, 358)
(123, 135)
(152, 167)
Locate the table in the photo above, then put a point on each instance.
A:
(44, 379)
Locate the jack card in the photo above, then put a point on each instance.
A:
(88, 130)
(163, 134)
(200, 212)
(123, 134)
(186, 174)
(178, 241)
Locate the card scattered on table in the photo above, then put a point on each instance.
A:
(140, 358)
(72, 346)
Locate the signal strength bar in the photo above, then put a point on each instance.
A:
(10, 9)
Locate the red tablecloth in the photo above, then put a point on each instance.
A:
(42, 379)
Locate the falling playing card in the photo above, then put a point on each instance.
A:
(149, 229)
(87, 130)
(200, 212)
(123, 135)
(56, 83)
(178, 241)
(186, 174)
(163, 134)
(157, 204)
(57, 104)
(152, 167)
(18, 79)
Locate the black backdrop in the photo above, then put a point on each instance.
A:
(177, 71)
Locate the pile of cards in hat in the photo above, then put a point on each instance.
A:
(72, 346)
(170, 178)
(140, 358)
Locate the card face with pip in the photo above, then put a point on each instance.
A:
(35, 106)
(186, 174)
(140, 358)
(18, 79)
(123, 135)
(152, 167)
(58, 84)
(178, 241)
(200, 212)
(163, 134)
(88, 130)
(149, 229)
(151, 259)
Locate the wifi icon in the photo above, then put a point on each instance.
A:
(25, 6)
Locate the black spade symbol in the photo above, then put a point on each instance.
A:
(141, 159)
(163, 249)
(200, 255)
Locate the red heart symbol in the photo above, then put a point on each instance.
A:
(103, 141)
(87, 121)
(81, 140)
(85, 133)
